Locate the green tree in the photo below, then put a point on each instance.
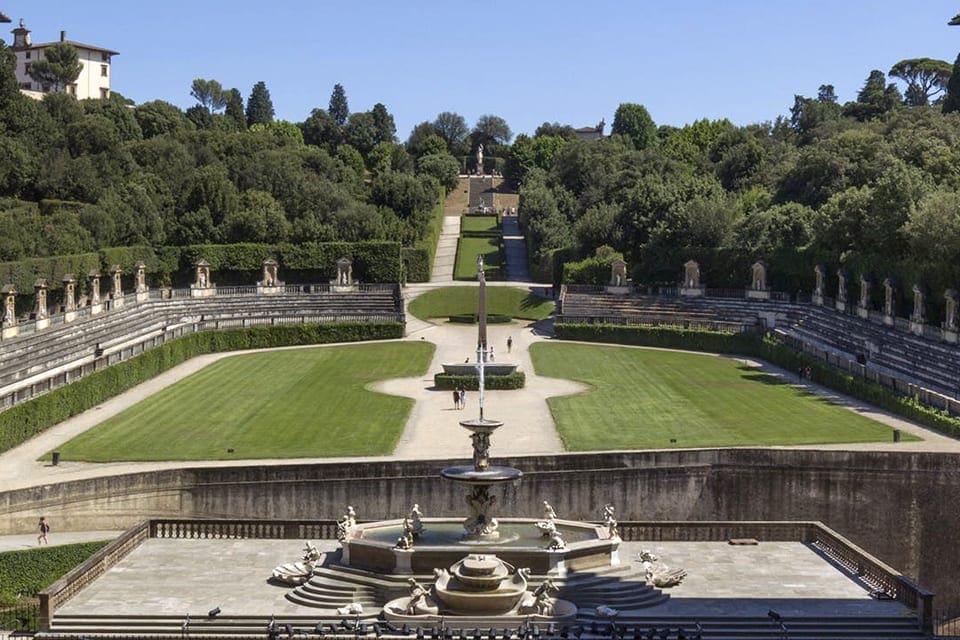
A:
(876, 98)
(320, 130)
(59, 66)
(422, 140)
(490, 131)
(384, 124)
(442, 166)
(158, 118)
(338, 108)
(234, 108)
(209, 93)
(925, 78)
(259, 105)
(259, 218)
(951, 101)
(633, 121)
(453, 129)
(361, 132)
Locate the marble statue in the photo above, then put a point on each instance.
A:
(478, 524)
(480, 159)
(346, 523)
(548, 512)
(296, 573)
(657, 573)
(540, 601)
(609, 517)
(556, 541)
(414, 518)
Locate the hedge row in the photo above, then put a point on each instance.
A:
(373, 261)
(418, 260)
(472, 318)
(772, 350)
(27, 572)
(23, 421)
(480, 234)
(448, 382)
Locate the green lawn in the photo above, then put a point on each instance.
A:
(467, 251)
(278, 404)
(478, 223)
(642, 398)
(508, 301)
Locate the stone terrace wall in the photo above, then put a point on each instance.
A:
(903, 508)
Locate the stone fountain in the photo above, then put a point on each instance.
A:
(481, 566)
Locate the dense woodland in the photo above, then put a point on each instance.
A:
(871, 184)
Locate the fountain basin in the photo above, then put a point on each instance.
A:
(371, 546)
(489, 369)
(468, 474)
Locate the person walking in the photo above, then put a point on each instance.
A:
(509, 343)
(456, 398)
(44, 529)
(463, 398)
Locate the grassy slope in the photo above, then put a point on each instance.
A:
(478, 223)
(642, 398)
(450, 301)
(467, 250)
(297, 403)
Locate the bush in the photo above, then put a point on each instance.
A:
(772, 350)
(472, 318)
(23, 421)
(28, 572)
(448, 382)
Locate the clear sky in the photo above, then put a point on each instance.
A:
(526, 61)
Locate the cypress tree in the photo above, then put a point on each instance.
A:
(338, 105)
(259, 105)
(235, 108)
(951, 102)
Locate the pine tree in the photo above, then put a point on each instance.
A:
(952, 100)
(259, 105)
(234, 109)
(338, 105)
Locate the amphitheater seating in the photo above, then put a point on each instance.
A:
(927, 363)
(38, 355)
(481, 193)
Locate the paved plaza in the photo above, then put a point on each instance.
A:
(172, 577)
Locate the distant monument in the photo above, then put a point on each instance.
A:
(344, 281)
(270, 284)
(918, 317)
(202, 287)
(889, 302)
(8, 324)
(480, 159)
(863, 306)
(96, 306)
(140, 279)
(618, 278)
(950, 321)
(842, 277)
(758, 289)
(69, 297)
(819, 272)
(691, 285)
(116, 293)
(41, 315)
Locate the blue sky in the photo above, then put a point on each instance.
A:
(527, 61)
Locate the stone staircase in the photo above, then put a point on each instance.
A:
(481, 193)
(515, 248)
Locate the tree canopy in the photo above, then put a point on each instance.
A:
(59, 67)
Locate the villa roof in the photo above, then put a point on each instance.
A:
(74, 43)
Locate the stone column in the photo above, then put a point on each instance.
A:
(202, 287)
(116, 294)
(889, 302)
(819, 272)
(8, 324)
(94, 281)
(919, 316)
(344, 281)
(863, 306)
(41, 315)
(842, 279)
(69, 297)
(140, 278)
(691, 285)
(950, 322)
(758, 289)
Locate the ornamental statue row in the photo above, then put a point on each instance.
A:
(94, 303)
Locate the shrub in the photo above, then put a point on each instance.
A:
(28, 572)
(448, 382)
(23, 421)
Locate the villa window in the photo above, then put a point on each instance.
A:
(103, 70)
(104, 93)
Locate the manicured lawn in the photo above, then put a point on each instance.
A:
(508, 301)
(467, 251)
(279, 404)
(478, 223)
(642, 398)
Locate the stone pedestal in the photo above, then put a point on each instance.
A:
(10, 332)
(754, 294)
(116, 292)
(8, 323)
(202, 287)
(817, 299)
(202, 292)
(863, 312)
(692, 292)
(617, 290)
(889, 320)
(269, 291)
(344, 288)
(916, 328)
(840, 305)
(949, 335)
(142, 290)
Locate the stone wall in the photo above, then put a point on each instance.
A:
(903, 508)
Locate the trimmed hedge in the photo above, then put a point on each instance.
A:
(21, 422)
(472, 318)
(28, 572)
(772, 350)
(449, 382)
(418, 259)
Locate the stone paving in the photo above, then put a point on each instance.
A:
(722, 580)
